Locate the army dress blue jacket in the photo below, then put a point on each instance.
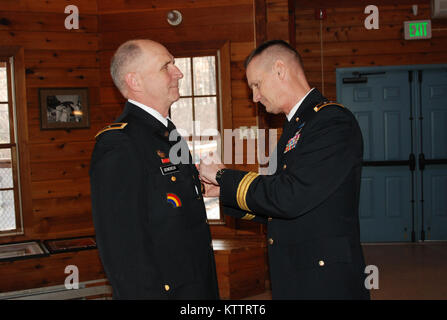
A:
(310, 204)
(149, 216)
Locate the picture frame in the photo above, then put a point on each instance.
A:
(70, 244)
(64, 108)
(22, 250)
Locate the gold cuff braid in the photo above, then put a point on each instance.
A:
(242, 190)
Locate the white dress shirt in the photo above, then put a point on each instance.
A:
(151, 111)
(295, 108)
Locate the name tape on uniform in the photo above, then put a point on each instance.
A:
(172, 168)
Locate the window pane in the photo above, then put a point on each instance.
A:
(206, 115)
(4, 124)
(3, 85)
(204, 147)
(5, 169)
(181, 114)
(200, 149)
(212, 208)
(7, 215)
(204, 75)
(194, 154)
(184, 64)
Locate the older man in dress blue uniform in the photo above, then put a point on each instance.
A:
(150, 220)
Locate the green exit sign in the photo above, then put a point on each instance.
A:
(416, 30)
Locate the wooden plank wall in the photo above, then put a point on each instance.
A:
(206, 24)
(345, 42)
(223, 21)
(277, 28)
(59, 159)
(56, 57)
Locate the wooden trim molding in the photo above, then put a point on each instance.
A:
(17, 53)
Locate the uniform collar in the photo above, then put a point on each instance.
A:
(151, 111)
(313, 98)
(304, 111)
(142, 116)
(295, 108)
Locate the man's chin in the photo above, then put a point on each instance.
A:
(270, 110)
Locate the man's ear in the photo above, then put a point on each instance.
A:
(133, 81)
(280, 69)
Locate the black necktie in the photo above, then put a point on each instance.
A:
(171, 125)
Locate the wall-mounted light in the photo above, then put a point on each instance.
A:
(174, 17)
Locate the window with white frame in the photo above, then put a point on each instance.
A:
(197, 112)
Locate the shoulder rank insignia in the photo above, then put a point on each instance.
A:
(113, 126)
(320, 106)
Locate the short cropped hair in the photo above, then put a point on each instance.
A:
(127, 53)
(273, 43)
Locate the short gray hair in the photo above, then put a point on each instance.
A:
(126, 54)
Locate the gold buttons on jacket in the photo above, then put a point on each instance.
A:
(270, 241)
(166, 133)
(284, 167)
(173, 178)
(321, 263)
(270, 219)
(297, 119)
(167, 287)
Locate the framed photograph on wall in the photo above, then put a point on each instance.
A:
(64, 108)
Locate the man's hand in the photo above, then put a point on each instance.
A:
(211, 190)
(208, 168)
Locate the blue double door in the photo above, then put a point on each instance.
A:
(402, 112)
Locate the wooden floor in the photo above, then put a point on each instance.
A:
(406, 271)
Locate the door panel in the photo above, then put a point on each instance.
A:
(433, 145)
(402, 112)
(382, 108)
(385, 204)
